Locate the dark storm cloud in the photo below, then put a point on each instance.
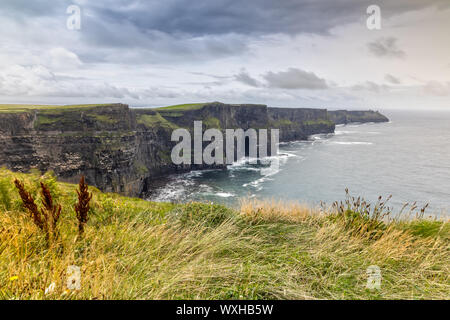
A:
(295, 78)
(386, 47)
(216, 17)
(249, 16)
(157, 31)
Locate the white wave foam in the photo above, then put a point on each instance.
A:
(224, 194)
(351, 143)
(341, 132)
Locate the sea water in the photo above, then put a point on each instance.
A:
(408, 158)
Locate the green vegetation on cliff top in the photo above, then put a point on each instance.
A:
(150, 120)
(182, 107)
(9, 108)
(318, 122)
(135, 249)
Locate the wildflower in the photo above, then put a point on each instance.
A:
(66, 292)
(51, 288)
(14, 278)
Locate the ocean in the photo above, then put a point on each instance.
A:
(408, 158)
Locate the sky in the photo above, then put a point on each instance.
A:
(283, 53)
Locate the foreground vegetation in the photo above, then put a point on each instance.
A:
(134, 249)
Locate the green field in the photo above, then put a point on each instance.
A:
(7, 108)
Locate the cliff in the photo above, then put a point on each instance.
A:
(344, 116)
(122, 150)
(298, 124)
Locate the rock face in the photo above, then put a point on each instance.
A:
(298, 124)
(122, 150)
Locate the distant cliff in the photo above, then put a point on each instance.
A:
(122, 150)
(344, 116)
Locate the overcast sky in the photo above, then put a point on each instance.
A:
(284, 53)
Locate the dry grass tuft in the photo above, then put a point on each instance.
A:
(275, 210)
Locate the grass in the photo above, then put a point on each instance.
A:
(13, 108)
(319, 122)
(155, 120)
(212, 123)
(182, 107)
(134, 249)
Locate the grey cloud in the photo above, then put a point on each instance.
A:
(157, 31)
(370, 86)
(250, 16)
(36, 8)
(391, 79)
(295, 78)
(386, 47)
(245, 78)
(218, 17)
(125, 43)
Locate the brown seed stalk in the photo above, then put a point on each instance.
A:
(82, 207)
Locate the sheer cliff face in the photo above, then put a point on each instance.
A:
(104, 143)
(298, 124)
(122, 150)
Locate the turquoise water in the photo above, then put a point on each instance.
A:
(408, 158)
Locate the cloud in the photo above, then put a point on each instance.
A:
(370, 86)
(246, 17)
(245, 78)
(391, 79)
(294, 78)
(386, 47)
(149, 51)
(38, 81)
(62, 58)
(437, 88)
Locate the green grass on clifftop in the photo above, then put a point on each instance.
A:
(135, 249)
(9, 108)
(182, 107)
(156, 120)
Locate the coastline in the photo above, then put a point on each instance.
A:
(122, 150)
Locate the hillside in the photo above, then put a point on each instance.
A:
(133, 249)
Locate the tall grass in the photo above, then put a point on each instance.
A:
(133, 249)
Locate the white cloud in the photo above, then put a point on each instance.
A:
(61, 58)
